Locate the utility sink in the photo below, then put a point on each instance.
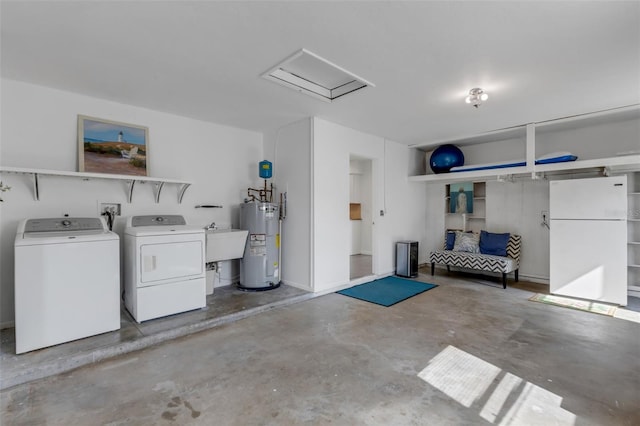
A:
(225, 244)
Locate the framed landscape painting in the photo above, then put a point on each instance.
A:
(111, 147)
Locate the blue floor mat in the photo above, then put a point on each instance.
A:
(387, 291)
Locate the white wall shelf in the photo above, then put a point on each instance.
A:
(607, 165)
(476, 176)
(129, 180)
(633, 234)
(612, 164)
(537, 137)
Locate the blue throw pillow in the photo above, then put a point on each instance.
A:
(451, 239)
(494, 244)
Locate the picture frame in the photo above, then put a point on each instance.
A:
(461, 197)
(112, 147)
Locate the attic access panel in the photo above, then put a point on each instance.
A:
(308, 73)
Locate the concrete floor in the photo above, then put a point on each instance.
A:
(226, 304)
(466, 352)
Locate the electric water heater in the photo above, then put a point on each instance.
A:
(259, 268)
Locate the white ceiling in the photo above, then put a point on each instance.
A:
(203, 59)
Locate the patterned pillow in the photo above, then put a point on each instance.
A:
(468, 242)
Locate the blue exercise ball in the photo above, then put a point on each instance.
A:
(445, 157)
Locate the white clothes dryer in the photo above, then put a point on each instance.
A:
(67, 281)
(164, 271)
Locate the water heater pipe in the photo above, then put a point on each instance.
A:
(280, 249)
(266, 195)
(283, 214)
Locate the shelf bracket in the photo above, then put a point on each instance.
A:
(157, 189)
(130, 185)
(181, 192)
(36, 190)
(536, 176)
(505, 178)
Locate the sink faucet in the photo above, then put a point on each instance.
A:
(210, 226)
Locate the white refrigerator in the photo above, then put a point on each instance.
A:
(588, 238)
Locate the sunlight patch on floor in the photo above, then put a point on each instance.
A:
(460, 375)
(498, 398)
(509, 400)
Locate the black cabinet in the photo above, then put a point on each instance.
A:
(407, 258)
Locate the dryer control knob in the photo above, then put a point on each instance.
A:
(159, 219)
(66, 222)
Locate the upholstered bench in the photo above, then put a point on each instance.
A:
(482, 262)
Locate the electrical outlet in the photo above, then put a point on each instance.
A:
(104, 207)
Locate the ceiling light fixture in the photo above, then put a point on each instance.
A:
(476, 97)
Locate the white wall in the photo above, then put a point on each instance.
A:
(356, 237)
(403, 203)
(333, 145)
(435, 218)
(516, 207)
(39, 131)
(316, 233)
(606, 139)
(293, 175)
(366, 201)
(407, 208)
(354, 197)
(360, 179)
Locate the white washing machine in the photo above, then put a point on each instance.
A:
(164, 266)
(67, 281)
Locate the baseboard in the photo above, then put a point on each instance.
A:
(7, 324)
(339, 287)
(351, 283)
(297, 285)
(534, 278)
(522, 277)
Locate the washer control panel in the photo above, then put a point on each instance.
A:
(70, 224)
(155, 220)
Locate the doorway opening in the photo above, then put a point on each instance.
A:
(361, 217)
